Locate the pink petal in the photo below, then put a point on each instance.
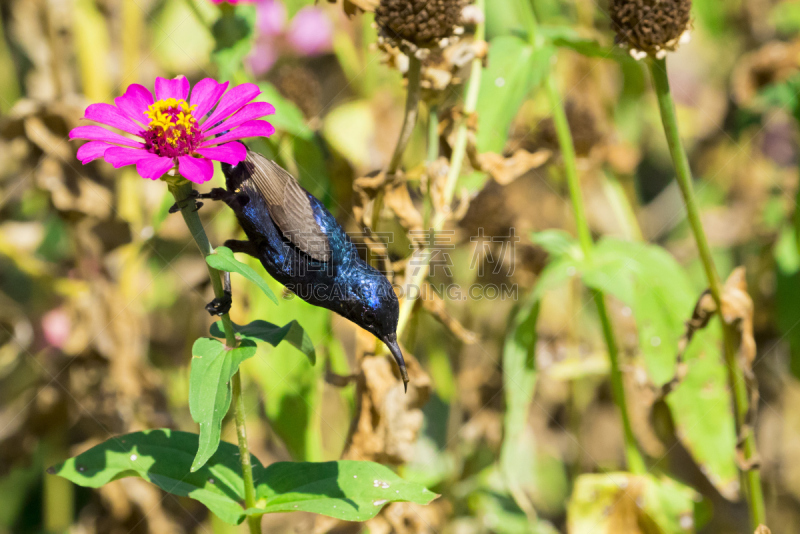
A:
(98, 133)
(205, 96)
(92, 150)
(111, 116)
(197, 170)
(56, 327)
(248, 129)
(154, 167)
(263, 56)
(135, 102)
(177, 88)
(232, 101)
(270, 17)
(252, 111)
(231, 153)
(311, 31)
(119, 157)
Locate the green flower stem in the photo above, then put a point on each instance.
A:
(752, 477)
(433, 155)
(433, 133)
(58, 499)
(411, 114)
(456, 161)
(409, 122)
(634, 457)
(182, 190)
(636, 463)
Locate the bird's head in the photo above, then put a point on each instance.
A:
(374, 307)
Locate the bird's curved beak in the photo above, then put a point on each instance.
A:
(394, 347)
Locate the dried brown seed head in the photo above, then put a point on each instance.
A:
(420, 22)
(650, 27)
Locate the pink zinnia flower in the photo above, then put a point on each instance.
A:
(309, 33)
(175, 129)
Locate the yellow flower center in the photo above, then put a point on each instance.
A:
(173, 130)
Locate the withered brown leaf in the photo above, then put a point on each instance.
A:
(505, 170)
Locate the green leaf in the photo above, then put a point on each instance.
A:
(259, 330)
(519, 369)
(556, 274)
(347, 489)
(514, 70)
(656, 288)
(223, 260)
(701, 408)
(164, 457)
(660, 297)
(520, 462)
(213, 366)
(557, 243)
(519, 382)
(605, 502)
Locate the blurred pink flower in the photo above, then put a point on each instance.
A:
(56, 326)
(174, 129)
(309, 33)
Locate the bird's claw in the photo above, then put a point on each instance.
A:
(178, 206)
(220, 305)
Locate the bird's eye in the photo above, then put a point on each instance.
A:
(369, 316)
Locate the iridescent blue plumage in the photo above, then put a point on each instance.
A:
(301, 245)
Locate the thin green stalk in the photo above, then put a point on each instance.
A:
(658, 68)
(634, 457)
(456, 161)
(433, 133)
(58, 501)
(409, 122)
(254, 522)
(411, 114)
(751, 477)
(182, 190)
(433, 155)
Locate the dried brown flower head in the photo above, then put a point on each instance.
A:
(650, 27)
(299, 85)
(583, 125)
(420, 22)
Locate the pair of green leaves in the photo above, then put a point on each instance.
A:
(347, 490)
(660, 298)
(214, 364)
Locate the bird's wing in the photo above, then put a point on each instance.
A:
(289, 207)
